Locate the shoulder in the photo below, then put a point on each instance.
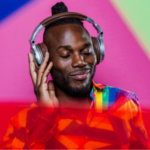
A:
(116, 95)
(20, 124)
(122, 101)
(21, 119)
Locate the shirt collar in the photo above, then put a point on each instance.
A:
(95, 86)
(98, 85)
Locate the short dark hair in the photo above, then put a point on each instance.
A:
(58, 8)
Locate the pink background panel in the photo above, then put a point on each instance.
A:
(125, 65)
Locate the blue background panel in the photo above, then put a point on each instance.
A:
(9, 6)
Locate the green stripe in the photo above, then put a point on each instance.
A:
(138, 14)
(105, 99)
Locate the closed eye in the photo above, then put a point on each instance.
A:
(87, 54)
(65, 57)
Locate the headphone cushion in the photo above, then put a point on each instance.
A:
(42, 48)
(96, 46)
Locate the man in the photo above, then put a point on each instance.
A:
(73, 111)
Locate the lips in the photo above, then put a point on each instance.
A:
(80, 75)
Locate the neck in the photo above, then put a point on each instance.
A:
(66, 100)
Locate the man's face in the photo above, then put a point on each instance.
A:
(73, 57)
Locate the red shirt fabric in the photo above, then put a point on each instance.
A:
(114, 121)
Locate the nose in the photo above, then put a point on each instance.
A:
(78, 60)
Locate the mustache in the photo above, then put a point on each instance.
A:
(80, 70)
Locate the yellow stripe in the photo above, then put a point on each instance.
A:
(98, 101)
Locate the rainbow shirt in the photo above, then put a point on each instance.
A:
(114, 121)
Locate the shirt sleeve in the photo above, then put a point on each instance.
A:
(126, 118)
(139, 138)
(18, 128)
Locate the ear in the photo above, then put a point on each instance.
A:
(96, 48)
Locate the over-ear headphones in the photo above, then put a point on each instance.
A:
(39, 50)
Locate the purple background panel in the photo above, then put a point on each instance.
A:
(125, 65)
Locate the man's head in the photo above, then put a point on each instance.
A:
(71, 51)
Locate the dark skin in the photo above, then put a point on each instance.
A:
(72, 57)
(72, 52)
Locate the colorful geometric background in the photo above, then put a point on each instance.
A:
(125, 24)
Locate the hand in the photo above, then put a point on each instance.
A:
(45, 92)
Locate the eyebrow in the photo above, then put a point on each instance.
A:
(69, 46)
(65, 47)
(86, 45)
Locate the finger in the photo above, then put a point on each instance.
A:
(46, 73)
(32, 68)
(51, 89)
(42, 68)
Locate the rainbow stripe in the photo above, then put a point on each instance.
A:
(105, 96)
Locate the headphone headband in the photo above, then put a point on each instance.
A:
(63, 15)
(56, 17)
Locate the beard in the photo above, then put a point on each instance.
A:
(64, 84)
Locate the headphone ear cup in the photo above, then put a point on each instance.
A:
(39, 53)
(42, 48)
(96, 46)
